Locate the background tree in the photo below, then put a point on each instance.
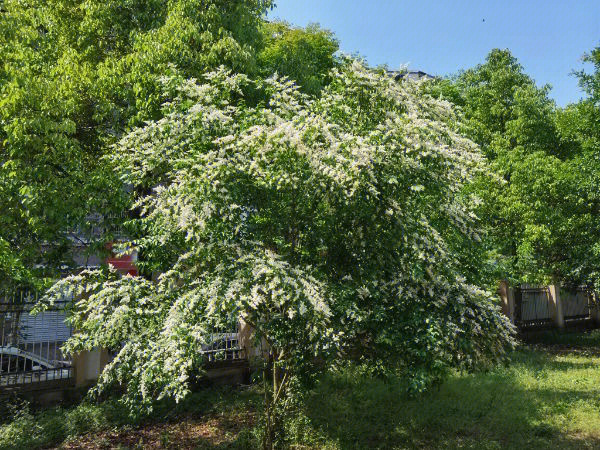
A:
(537, 209)
(304, 55)
(579, 127)
(74, 77)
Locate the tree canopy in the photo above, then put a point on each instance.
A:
(304, 55)
(539, 210)
(74, 77)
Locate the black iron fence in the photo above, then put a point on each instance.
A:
(224, 346)
(532, 306)
(30, 345)
(577, 303)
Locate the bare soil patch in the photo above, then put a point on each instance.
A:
(186, 433)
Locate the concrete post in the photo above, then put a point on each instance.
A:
(556, 307)
(245, 332)
(594, 307)
(88, 366)
(248, 343)
(507, 296)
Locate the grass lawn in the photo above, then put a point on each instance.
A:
(547, 397)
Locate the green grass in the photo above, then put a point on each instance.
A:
(542, 399)
(539, 401)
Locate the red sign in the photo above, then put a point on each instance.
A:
(124, 264)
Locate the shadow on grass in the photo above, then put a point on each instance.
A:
(214, 432)
(588, 339)
(520, 407)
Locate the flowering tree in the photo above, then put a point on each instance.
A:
(326, 223)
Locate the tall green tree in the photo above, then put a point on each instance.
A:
(579, 127)
(579, 123)
(536, 208)
(504, 109)
(305, 55)
(590, 82)
(75, 75)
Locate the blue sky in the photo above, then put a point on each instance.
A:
(441, 37)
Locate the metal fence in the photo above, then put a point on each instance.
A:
(576, 303)
(533, 305)
(30, 345)
(223, 346)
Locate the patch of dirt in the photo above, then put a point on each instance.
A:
(187, 433)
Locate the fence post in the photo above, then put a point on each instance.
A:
(594, 307)
(245, 337)
(507, 295)
(247, 342)
(88, 366)
(556, 307)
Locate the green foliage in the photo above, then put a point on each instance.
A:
(304, 55)
(504, 109)
(12, 270)
(579, 127)
(74, 77)
(590, 82)
(539, 209)
(31, 429)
